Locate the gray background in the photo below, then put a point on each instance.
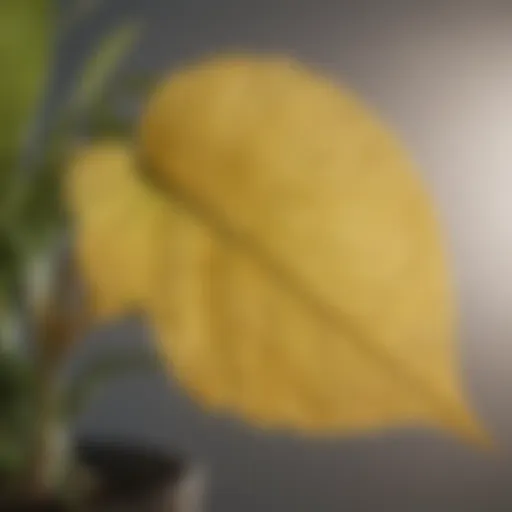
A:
(441, 73)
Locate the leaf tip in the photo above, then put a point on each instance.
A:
(468, 427)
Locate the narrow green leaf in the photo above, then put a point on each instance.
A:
(35, 203)
(9, 262)
(26, 48)
(11, 270)
(42, 212)
(101, 67)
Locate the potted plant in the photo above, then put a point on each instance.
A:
(192, 224)
(41, 318)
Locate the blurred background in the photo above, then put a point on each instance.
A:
(440, 73)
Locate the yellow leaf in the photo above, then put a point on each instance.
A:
(117, 222)
(303, 283)
(284, 250)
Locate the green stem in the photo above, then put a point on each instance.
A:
(38, 483)
(57, 328)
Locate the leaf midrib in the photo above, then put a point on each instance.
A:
(322, 310)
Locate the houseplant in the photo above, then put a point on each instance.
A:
(40, 319)
(196, 215)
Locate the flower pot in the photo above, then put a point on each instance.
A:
(121, 478)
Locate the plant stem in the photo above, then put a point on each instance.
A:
(45, 421)
(57, 326)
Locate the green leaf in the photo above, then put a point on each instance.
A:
(9, 263)
(42, 213)
(26, 48)
(11, 270)
(101, 67)
(35, 206)
(16, 411)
